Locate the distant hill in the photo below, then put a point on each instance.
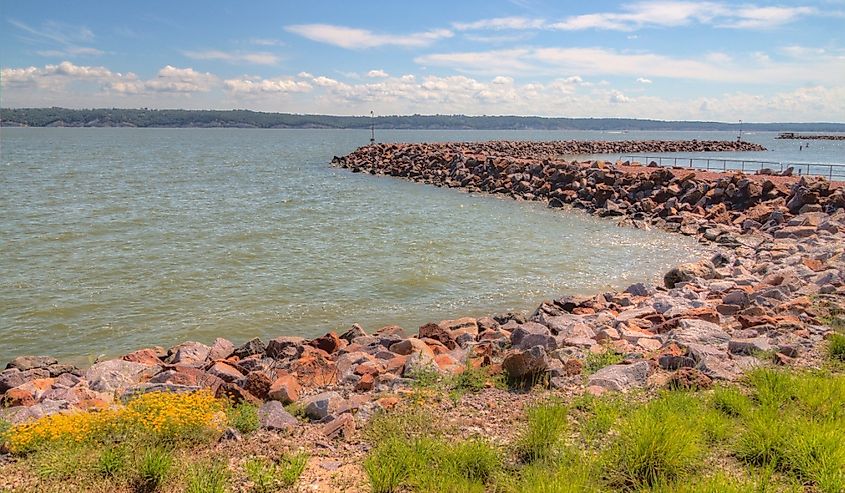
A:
(116, 117)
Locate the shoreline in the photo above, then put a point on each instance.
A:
(710, 316)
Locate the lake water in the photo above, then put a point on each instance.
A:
(116, 239)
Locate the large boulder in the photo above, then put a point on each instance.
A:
(532, 334)
(524, 365)
(115, 374)
(24, 363)
(285, 347)
(189, 353)
(621, 377)
(318, 407)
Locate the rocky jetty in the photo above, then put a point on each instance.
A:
(778, 255)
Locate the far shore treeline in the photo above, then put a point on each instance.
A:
(116, 117)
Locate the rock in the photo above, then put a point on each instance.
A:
(418, 362)
(328, 343)
(24, 363)
(226, 372)
(285, 389)
(411, 345)
(639, 289)
(688, 272)
(341, 426)
(438, 333)
(221, 349)
(189, 376)
(749, 346)
(314, 371)
(13, 377)
(464, 325)
(249, 348)
(230, 434)
(189, 353)
(525, 365)
(285, 347)
(353, 333)
(146, 356)
(621, 377)
(236, 394)
(273, 416)
(115, 374)
(258, 384)
(532, 334)
(698, 332)
(689, 379)
(318, 407)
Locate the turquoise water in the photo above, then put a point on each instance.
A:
(115, 239)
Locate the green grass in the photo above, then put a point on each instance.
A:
(112, 462)
(267, 475)
(546, 424)
(154, 469)
(595, 362)
(207, 477)
(243, 417)
(596, 415)
(658, 443)
(836, 348)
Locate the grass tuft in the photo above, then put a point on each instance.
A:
(154, 469)
(544, 433)
(836, 348)
(243, 417)
(267, 476)
(207, 477)
(595, 362)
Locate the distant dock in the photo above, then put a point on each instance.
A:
(796, 136)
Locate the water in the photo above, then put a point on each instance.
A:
(116, 239)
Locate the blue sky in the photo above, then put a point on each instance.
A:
(718, 60)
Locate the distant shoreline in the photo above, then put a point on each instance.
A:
(146, 118)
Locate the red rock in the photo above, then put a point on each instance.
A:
(391, 330)
(411, 345)
(328, 343)
(388, 402)
(395, 365)
(225, 372)
(147, 357)
(285, 389)
(448, 363)
(706, 313)
(465, 325)
(813, 264)
(438, 333)
(366, 383)
(342, 426)
(236, 394)
(369, 368)
(314, 371)
(573, 366)
(18, 397)
(258, 384)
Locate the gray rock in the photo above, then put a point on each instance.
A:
(221, 349)
(12, 377)
(24, 363)
(419, 362)
(285, 347)
(115, 374)
(694, 331)
(253, 346)
(273, 416)
(689, 272)
(322, 405)
(640, 289)
(189, 353)
(749, 346)
(532, 334)
(621, 377)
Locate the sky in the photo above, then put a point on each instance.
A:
(677, 60)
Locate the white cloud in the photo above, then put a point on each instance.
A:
(63, 40)
(255, 85)
(266, 42)
(616, 97)
(183, 80)
(501, 23)
(655, 13)
(643, 80)
(719, 67)
(256, 58)
(375, 74)
(353, 38)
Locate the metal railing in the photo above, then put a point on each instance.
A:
(833, 172)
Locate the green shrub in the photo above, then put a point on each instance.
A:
(243, 417)
(207, 477)
(154, 468)
(544, 432)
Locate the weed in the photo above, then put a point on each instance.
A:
(470, 380)
(290, 468)
(154, 469)
(297, 410)
(595, 362)
(243, 417)
(544, 432)
(207, 477)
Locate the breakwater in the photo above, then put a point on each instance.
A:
(779, 243)
(794, 136)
